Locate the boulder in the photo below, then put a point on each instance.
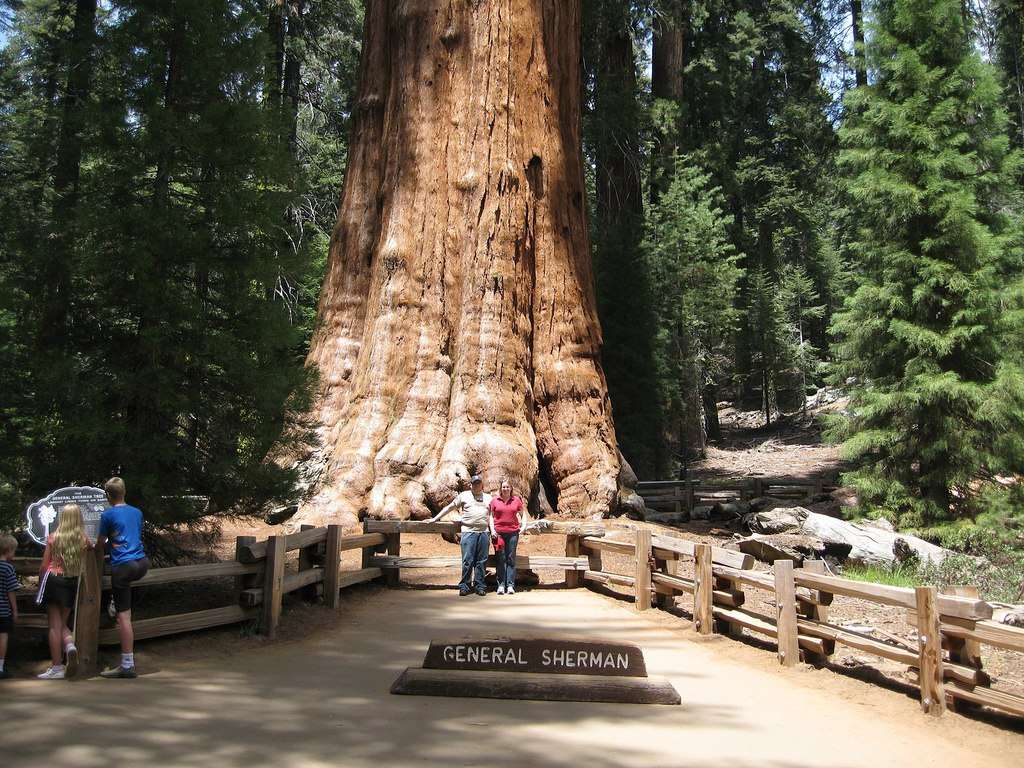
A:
(781, 546)
(631, 505)
(701, 512)
(728, 510)
(871, 544)
(777, 520)
(1014, 619)
(868, 542)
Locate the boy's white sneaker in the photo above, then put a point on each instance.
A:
(501, 589)
(53, 673)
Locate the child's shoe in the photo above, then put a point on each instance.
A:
(53, 673)
(72, 660)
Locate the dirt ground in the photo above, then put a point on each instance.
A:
(791, 447)
(322, 699)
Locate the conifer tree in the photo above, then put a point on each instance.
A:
(924, 335)
(162, 178)
(693, 265)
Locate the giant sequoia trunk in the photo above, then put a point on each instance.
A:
(457, 325)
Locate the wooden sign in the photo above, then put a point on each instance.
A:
(544, 669)
(43, 516)
(416, 681)
(548, 656)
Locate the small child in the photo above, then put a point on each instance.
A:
(8, 603)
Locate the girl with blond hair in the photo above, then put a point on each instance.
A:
(63, 564)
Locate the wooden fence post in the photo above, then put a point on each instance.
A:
(594, 562)
(332, 567)
(368, 552)
(572, 549)
(87, 614)
(394, 544)
(309, 558)
(703, 596)
(817, 611)
(642, 585)
(929, 638)
(246, 581)
(964, 651)
(671, 567)
(690, 497)
(273, 584)
(785, 624)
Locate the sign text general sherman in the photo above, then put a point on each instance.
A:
(564, 656)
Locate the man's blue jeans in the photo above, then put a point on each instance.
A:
(474, 558)
(507, 560)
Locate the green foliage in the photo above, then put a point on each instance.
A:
(901, 575)
(928, 335)
(695, 268)
(756, 115)
(170, 348)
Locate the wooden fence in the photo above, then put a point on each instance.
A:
(683, 495)
(946, 657)
(951, 628)
(260, 584)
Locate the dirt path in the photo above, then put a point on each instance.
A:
(324, 701)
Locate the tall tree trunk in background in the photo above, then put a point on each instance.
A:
(273, 75)
(667, 81)
(667, 84)
(859, 64)
(57, 272)
(623, 281)
(1009, 49)
(457, 323)
(292, 73)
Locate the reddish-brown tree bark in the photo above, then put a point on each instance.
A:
(457, 324)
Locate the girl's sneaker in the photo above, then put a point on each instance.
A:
(72, 661)
(501, 589)
(53, 673)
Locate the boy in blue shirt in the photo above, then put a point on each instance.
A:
(121, 525)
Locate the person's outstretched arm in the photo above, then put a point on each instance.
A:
(454, 503)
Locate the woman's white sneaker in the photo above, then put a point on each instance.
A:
(53, 673)
(501, 589)
(511, 590)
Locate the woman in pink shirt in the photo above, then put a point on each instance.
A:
(507, 521)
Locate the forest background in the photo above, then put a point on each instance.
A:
(783, 194)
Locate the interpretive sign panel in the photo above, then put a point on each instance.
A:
(42, 517)
(549, 656)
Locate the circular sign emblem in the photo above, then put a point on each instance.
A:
(42, 517)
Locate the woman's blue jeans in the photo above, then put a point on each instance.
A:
(507, 560)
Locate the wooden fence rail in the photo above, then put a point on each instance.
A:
(258, 570)
(683, 495)
(945, 655)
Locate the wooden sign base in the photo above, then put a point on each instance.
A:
(536, 686)
(543, 669)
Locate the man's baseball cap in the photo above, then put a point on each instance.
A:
(475, 479)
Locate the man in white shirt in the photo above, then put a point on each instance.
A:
(475, 539)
